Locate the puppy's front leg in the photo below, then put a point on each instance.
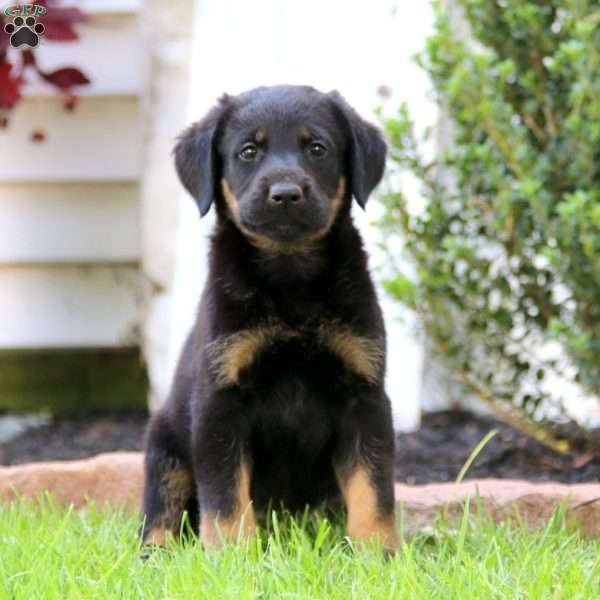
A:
(364, 465)
(222, 471)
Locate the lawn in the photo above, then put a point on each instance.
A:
(49, 552)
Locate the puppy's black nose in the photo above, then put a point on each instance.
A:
(284, 193)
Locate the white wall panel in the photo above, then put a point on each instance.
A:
(109, 52)
(69, 223)
(106, 6)
(62, 307)
(99, 141)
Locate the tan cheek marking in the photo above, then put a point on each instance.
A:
(230, 200)
(258, 240)
(364, 519)
(230, 355)
(304, 246)
(360, 354)
(241, 524)
(336, 203)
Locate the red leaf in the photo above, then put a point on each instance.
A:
(65, 78)
(59, 22)
(28, 58)
(60, 32)
(4, 37)
(10, 86)
(71, 14)
(70, 101)
(38, 135)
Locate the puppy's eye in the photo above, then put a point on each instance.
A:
(248, 152)
(317, 149)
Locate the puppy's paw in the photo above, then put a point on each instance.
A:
(149, 550)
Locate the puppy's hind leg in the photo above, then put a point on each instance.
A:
(168, 484)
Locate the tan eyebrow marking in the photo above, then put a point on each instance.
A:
(305, 134)
(260, 135)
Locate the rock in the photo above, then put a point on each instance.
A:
(534, 503)
(116, 479)
(113, 478)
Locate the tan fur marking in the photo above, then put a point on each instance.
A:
(231, 201)
(260, 136)
(364, 519)
(176, 487)
(260, 241)
(158, 536)
(305, 135)
(360, 354)
(304, 246)
(241, 524)
(336, 204)
(231, 354)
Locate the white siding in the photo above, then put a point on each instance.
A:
(109, 52)
(90, 223)
(69, 206)
(99, 141)
(62, 307)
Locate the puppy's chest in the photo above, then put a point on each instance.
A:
(274, 346)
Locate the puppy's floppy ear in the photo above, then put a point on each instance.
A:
(196, 158)
(367, 150)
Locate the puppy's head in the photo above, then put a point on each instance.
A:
(281, 162)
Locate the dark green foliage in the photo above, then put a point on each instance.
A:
(507, 247)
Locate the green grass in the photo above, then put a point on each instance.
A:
(48, 552)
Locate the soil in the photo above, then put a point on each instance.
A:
(434, 453)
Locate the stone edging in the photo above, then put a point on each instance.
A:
(116, 479)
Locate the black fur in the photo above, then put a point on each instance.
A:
(301, 413)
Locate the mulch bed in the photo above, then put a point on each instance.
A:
(434, 453)
(438, 450)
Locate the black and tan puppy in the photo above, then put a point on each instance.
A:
(279, 391)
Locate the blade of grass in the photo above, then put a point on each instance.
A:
(470, 460)
(474, 454)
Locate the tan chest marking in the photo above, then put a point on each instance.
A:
(360, 354)
(229, 355)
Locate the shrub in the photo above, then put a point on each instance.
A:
(506, 249)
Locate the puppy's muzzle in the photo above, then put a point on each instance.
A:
(283, 194)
